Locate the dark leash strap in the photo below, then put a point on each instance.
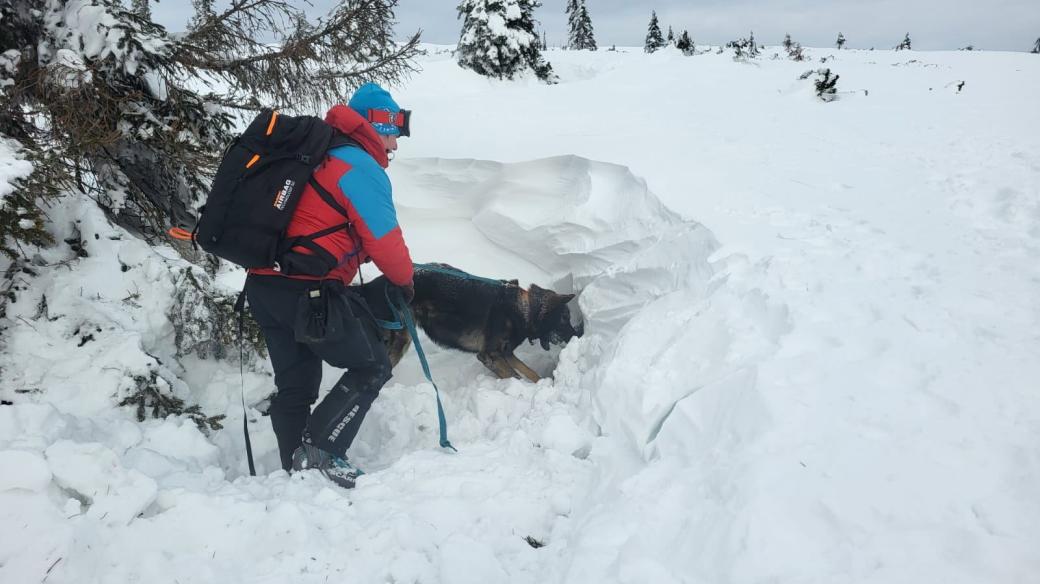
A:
(404, 320)
(240, 306)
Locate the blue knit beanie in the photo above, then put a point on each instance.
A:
(371, 96)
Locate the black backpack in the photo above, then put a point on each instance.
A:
(256, 190)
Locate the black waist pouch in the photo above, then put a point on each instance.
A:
(332, 321)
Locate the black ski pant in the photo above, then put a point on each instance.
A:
(335, 422)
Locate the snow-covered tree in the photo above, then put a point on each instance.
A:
(1036, 47)
(671, 36)
(581, 35)
(97, 98)
(141, 8)
(826, 86)
(498, 39)
(841, 41)
(572, 13)
(744, 48)
(905, 45)
(788, 43)
(654, 39)
(795, 52)
(685, 43)
(752, 46)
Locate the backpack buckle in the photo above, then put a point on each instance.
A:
(305, 158)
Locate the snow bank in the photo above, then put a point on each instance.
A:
(83, 338)
(566, 222)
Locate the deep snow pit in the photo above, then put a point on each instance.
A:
(533, 457)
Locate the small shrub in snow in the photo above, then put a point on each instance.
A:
(685, 43)
(205, 322)
(905, 45)
(654, 39)
(151, 397)
(826, 85)
(1036, 47)
(795, 53)
(744, 48)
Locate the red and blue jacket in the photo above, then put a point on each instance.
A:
(357, 179)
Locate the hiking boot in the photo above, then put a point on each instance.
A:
(336, 469)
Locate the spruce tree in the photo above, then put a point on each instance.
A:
(203, 13)
(532, 53)
(572, 22)
(685, 44)
(841, 41)
(671, 36)
(752, 46)
(654, 39)
(905, 45)
(498, 39)
(1036, 47)
(787, 42)
(581, 35)
(109, 104)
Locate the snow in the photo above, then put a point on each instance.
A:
(89, 30)
(810, 349)
(12, 167)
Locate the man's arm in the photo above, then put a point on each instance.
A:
(369, 193)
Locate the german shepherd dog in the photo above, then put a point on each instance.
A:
(488, 317)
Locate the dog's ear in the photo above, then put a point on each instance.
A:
(555, 300)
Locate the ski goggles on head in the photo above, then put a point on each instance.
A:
(401, 120)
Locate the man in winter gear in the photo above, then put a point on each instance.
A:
(353, 176)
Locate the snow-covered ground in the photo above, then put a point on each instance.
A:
(811, 349)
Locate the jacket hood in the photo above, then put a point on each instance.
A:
(358, 129)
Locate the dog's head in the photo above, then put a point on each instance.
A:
(551, 319)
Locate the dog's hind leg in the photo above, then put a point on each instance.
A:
(522, 367)
(498, 365)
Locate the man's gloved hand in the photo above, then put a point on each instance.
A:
(407, 292)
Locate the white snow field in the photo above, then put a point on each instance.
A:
(811, 352)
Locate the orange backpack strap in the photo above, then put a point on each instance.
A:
(181, 234)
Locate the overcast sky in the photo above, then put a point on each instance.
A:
(933, 24)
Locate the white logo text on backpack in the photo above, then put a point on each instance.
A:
(283, 195)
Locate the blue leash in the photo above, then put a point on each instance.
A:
(457, 273)
(404, 320)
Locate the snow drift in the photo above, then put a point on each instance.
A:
(84, 337)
